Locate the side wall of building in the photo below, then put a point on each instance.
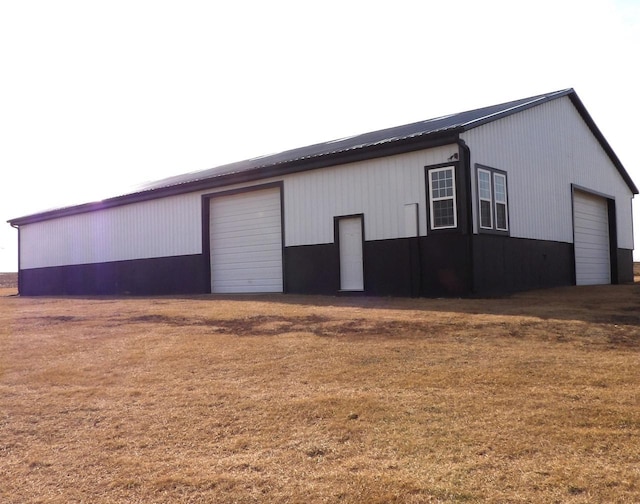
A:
(156, 246)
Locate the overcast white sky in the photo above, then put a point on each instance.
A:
(96, 97)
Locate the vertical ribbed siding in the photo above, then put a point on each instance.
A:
(544, 150)
(158, 228)
(172, 226)
(378, 188)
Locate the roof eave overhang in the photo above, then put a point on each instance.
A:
(260, 172)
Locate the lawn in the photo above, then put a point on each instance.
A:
(276, 399)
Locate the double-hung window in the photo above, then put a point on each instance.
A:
(492, 199)
(442, 191)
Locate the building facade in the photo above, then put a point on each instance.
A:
(521, 195)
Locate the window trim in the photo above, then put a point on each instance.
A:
(453, 197)
(494, 173)
(481, 199)
(496, 202)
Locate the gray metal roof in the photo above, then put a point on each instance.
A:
(368, 145)
(452, 123)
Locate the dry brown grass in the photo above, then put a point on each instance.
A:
(532, 398)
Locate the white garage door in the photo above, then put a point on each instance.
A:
(246, 242)
(591, 239)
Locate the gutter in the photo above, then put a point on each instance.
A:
(465, 160)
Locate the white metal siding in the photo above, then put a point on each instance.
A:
(351, 266)
(171, 226)
(246, 242)
(591, 239)
(157, 228)
(544, 150)
(378, 188)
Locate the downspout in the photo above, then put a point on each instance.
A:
(465, 162)
(14, 226)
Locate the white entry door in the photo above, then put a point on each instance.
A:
(591, 239)
(246, 242)
(351, 257)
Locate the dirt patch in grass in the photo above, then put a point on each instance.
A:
(531, 398)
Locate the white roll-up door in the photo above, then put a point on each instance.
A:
(591, 239)
(246, 242)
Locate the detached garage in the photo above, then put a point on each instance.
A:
(520, 195)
